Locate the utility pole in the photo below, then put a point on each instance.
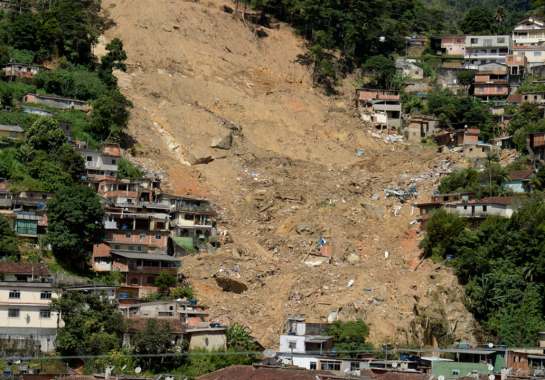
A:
(386, 346)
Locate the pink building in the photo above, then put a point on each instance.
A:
(453, 44)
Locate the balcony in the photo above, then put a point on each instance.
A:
(5, 202)
(110, 225)
(194, 208)
(92, 164)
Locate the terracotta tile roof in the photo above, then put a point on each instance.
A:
(404, 376)
(514, 98)
(520, 174)
(499, 200)
(78, 377)
(24, 268)
(239, 372)
(473, 131)
(138, 323)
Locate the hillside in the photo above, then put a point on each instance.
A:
(292, 175)
(454, 10)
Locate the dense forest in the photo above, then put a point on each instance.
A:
(455, 10)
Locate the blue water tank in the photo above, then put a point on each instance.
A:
(450, 257)
(124, 226)
(404, 356)
(291, 333)
(8, 372)
(463, 345)
(502, 346)
(193, 302)
(123, 295)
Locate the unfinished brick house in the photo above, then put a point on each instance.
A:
(383, 103)
(491, 81)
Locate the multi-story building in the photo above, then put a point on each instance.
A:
(25, 318)
(486, 49)
(491, 81)
(535, 144)
(101, 164)
(517, 68)
(452, 44)
(385, 106)
(193, 222)
(529, 39)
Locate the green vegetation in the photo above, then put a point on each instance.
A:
(126, 169)
(76, 219)
(501, 266)
(239, 337)
(350, 336)
(9, 242)
(91, 326)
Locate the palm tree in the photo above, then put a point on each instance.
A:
(503, 176)
(491, 157)
(500, 15)
(25, 153)
(535, 182)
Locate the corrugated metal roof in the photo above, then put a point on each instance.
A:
(465, 351)
(145, 256)
(11, 128)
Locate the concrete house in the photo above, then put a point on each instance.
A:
(477, 151)
(486, 49)
(448, 201)
(12, 131)
(382, 104)
(491, 81)
(450, 44)
(409, 68)
(59, 102)
(25, 318)
(493, 206)
(465, 361)
(529, 39)
(535, 143)
(15, 70)
(66, 127)
(137, 323)
(421, 127)
(519, 181)
(517, 70)
(101, 165)
(193, 221)
(30, 110)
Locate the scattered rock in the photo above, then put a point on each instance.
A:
(199, 156)
(305, 227)
(222, 142)
(376, 212)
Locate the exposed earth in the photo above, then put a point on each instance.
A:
(293, 174)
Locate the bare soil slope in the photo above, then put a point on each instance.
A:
(292, 175)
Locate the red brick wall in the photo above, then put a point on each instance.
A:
(539, 139)
(368, 94)
(122, 193)
(491, 89)
(482, 78)
(103, 250)
(517, 360)
(120, 235)
(389, 97)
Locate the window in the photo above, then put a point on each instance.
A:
(499, 88)
(471, 149)
(535, 97)
(117, 246)
(330, 366)
(128, 235)
(484, 208)
(482, 149)
(414, 133)
(520, 359)
(150, 280)
(13, 134)
(501, 40)
(493, 51)
(481, 88)
(114, 162)
(14, 294)
(313, 365)
(458, 40)
(502, 355)
(45, 313)
(537, 54)
(132, 294)
(101, 187)
(45, 295)
(21, 278)
(474, 40)
(89, 158)
(354, 366)
(417, 72)
(158, 237)
(134, 281)
(515, 357)
(465, 207)
(142, 236)
(139, 248)
(455, 372)
(13, 313)
(131, 247)
(31, 195)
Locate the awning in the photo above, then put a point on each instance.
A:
(536, 356)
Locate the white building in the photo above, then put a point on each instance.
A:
(493, 206)
(529, 39)
(486, 49)
(25, 318)
(100, 165)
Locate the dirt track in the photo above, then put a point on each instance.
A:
(292, 176)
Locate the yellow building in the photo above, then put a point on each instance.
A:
(12, 131)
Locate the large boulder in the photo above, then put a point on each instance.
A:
(376, 212)
(199, 156)
(222, 142)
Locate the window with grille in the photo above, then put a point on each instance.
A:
(45, 313)
(134, 281)
(354, 366)
(151, 280)
(14, 294)
(158, 237)
(330, 366)
(142, 236)
(455, 372)
(131, 247)
(313, 365)
(117, 246)
(45, 295)
(139, 248)
(13, 313)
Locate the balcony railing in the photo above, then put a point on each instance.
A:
(194, 208)
(92, 164)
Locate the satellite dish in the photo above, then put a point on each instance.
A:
(490, 345)
(394, 365)
(441, 377)
(491, 377)
(346, 371)
(125, 366)
(138, 370)
(491, 368)
(269, 353)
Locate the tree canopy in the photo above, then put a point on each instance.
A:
(350, 336)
